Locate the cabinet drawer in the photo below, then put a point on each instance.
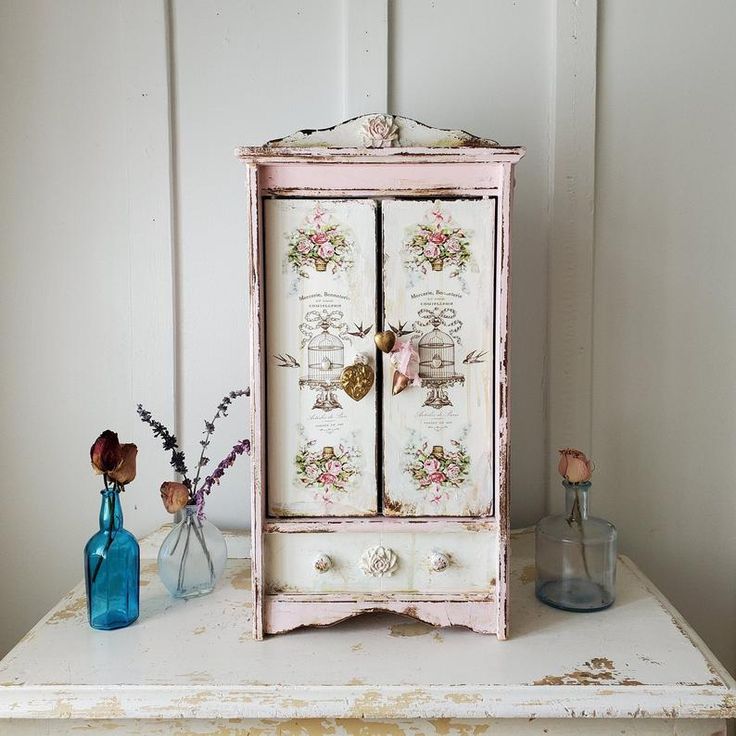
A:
(375, 562)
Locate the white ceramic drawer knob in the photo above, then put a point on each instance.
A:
(438, 561)
(378, 561)
(323, 563)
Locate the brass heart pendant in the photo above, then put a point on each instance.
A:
(385, 341)
(357, 380)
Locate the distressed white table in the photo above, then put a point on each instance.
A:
(192, 668)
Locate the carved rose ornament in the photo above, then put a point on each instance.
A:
(378, 561)
(379, 131)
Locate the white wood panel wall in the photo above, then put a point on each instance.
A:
(664, 378)
(86, 317)
(123, 259)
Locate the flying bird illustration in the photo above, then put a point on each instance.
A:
(476, 356)
(360, 330)
(399, 331)
(287, 361)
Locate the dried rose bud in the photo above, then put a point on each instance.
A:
(574, 467)
(125, 471)
(106, 453)
(174, 495)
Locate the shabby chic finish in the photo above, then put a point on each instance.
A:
(192, 667)
(393, 503)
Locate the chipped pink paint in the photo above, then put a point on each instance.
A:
(422, 163)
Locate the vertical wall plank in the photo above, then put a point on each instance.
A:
(366, 56)
(146, 156)
(572, 178)
(85, 213)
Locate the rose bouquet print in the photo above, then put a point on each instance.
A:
(436, 472)
(320, 243)
(437, 243)
(379, 295)
(326, 472)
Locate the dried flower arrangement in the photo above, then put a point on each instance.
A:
(116, 464)
(577, 470)
(176, 495)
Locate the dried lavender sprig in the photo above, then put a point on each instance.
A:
(214, 479)
(209, 428)
(169, 441)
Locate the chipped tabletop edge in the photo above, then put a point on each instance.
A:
(362, 701)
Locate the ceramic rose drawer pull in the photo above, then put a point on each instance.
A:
(438, 561)
(323, 563)
(378, 561)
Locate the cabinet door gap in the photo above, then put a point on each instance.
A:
(379, 326)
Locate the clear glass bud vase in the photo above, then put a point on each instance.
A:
(576, 556)
(192, 557)
(112, 568)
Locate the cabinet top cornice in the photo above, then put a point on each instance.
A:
(377, 137)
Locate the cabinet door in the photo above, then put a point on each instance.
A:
(438, 276)
(320, 312)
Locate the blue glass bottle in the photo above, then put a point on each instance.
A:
(112, 565)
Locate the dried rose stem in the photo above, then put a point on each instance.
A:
(195, 526)
(108, 544)
(576, 518)
(180, 581)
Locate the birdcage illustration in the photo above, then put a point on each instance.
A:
(325, 361)
(436, 354)
(325, 356)
(437, 364)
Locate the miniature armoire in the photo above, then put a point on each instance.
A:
(364, 499)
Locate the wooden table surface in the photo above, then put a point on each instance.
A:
(195, 660)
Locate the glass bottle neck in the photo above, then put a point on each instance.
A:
(576, 499)
(190, 513)
(111, 512)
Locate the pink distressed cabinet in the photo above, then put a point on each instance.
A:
(391, 502)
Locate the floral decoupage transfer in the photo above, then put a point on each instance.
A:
(327, 472)
(320, 243)
(439, 288)
(438, 472)
(437, 243)
(320, 254)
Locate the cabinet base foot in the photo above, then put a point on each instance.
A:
(282, 614)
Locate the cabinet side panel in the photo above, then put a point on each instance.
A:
(439, 260)
(320, 308)
(502, 437)
(258, 394)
